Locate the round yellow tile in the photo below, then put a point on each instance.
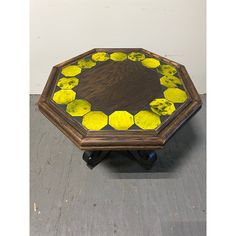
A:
(67, 83)
(118, 56)
(170, 81)
(136, 56)
(175, 95)
(71, 71)
(162, 107)
(167, 70)
(121, 120)
(151, 63)
(78, 107)
(86, 63)
(100, 56)
(147, 120)
(95, 120)
(64, 96)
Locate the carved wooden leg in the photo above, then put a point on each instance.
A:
(92, 158)
(145, 158)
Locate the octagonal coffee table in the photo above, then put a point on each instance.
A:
(119, 99)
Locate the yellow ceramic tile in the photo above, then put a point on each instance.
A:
(167, 70)
(175, 95)
(71, 71)
(170, 81)
(95, 120)
(118, 56)
(151, 63)
(78, 107)
(86, 63)
(64, 96)
(67, 83)
(147, 120)
(162, 106)
(136, 56)
(121, 120)
(100, 56)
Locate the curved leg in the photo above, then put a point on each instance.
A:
(145, 158)
(92, 158)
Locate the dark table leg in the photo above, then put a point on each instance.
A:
(145, 158)
(92, 158)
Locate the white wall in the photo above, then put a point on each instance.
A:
(61, 29)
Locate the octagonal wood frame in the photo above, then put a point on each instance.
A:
(113, 139)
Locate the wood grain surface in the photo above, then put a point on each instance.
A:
(117, 197)
(125, 85)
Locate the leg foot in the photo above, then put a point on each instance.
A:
(145, 158)
(92, 158)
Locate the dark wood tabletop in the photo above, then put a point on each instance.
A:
(114, 99)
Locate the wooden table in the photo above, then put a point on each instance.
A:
(119, 99)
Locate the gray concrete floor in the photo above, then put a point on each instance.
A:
(117, 197)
